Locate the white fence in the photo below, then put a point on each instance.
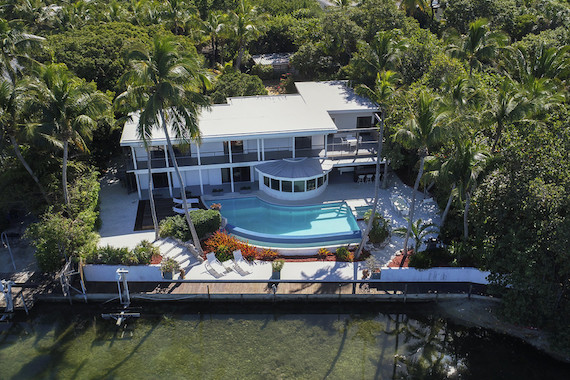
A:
(108, 273)
(434, 275)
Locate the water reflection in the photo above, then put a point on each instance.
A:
(265, 346)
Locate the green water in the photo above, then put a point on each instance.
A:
(66, 345)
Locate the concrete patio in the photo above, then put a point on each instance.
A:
(118, 212)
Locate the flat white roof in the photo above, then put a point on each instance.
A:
(251, 117)
(334, 96)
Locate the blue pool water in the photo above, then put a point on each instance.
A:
(260, 221)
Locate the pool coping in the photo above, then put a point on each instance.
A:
(332, 240)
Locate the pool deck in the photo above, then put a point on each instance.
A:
(118, 212)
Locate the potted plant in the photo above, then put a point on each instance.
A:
(245, 189)
(276, 266)
(168, 267)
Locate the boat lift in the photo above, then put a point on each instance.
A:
(65, 280)
(124, 299)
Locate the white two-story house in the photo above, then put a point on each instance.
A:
(286, 144)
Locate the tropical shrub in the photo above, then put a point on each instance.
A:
(262, 71)
(277, 265)
(221, 241)
(236, 84)
(268, 254)
(343, 254)
(224, 252)
(57, 238)
(144, 251)
(379, 231)
(322, 253)
(169, 265)
(205, 222)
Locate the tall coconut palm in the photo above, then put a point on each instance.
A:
(244, 25)
(10, 122)
(424, 130)
(383, 90)
(69, 109)
(506, 106)
(213, 27)
(479, 45)
(177, 15)
(468, 162)
(13, 45)
(167, 86)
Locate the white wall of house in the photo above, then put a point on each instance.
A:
(277, 144)
(348, 120)
(210, 149)
(212, 176)
(318, 141)
(140, 153)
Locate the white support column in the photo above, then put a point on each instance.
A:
(258, 152)
(262, 150)
(230, 151)
(134, 158)
(138, 185)
(201, 183)
(198, 153)
(232, 178)
(326, 144)
(168, 175)
(293, 146)
(165, 155)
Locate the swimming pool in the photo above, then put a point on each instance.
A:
(254, 219)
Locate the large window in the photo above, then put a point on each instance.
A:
(275, 184)
(364, 122)
(311, 184)
(299, 186)
(287, 186)
(241, 174)
(237, 147)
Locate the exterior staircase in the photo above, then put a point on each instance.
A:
(174, 249)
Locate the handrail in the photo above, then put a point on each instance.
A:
(6, 243)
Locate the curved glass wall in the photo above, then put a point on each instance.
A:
(295, 186)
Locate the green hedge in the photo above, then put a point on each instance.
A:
(205, 222)
(140, 255)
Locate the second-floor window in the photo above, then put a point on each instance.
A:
(363, 122)
(237, 147)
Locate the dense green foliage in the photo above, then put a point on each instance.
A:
(70, 231)
(236, 84)
(379, 231)
(205, 221)
(478, 114)
(140, 255)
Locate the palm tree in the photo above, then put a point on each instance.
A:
(177, 14)
(479, 45)
(385, 50)
(382, 92)
(10, 120)
(166, 86)
(69, 108)
(244, 25)
(419, 231)
(422, 131)
(542, 63)
(13, 45)
(213, 27)
(469, 161)
(506, 106)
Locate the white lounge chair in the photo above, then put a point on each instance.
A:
(188, 200)
(214, 266)
(241, 264)
(401, 205)
(181, 210)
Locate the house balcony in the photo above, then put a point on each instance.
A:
(346, 144)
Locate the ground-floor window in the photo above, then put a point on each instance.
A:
(241, 174)
(160, 180)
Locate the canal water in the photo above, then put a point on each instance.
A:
(60, 342)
